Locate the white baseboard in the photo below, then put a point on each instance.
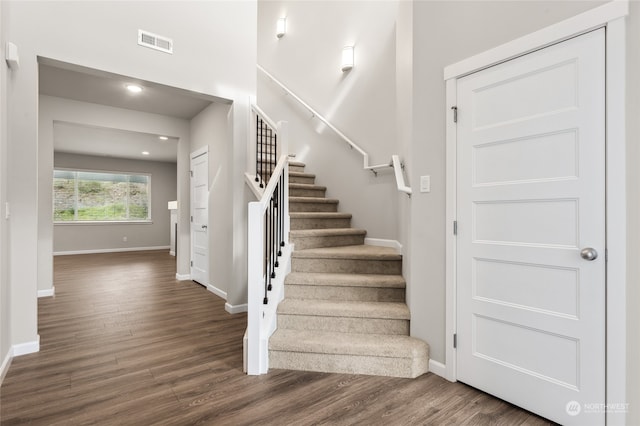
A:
(235, 309)
(183, 277)
(26, 348)
(438, 368)
(6, 363)
(47, 293)
(394, 244)
(172, 253)
(217, 291)
(113, 250)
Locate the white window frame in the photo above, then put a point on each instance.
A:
(149, 219)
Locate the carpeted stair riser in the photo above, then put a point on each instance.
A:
(305, 190)
(299, 221)
(305, 178)
(303, 242)
(344, 324)
(312, 204)
(338, 293)
(385, 355)
(296, 167)
(349, 364)
(345, 287)
(349, 266)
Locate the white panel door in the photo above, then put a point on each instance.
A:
(200, 218)
(531, 197)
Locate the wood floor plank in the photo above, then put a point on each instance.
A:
(124, 343)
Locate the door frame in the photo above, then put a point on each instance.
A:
(192, 156)
(611, 16)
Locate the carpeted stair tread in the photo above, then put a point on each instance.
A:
(313, 200)
(319, 215)
(326, 232)
(307, 186)
(296, 163)
(344, 309)
(357, 252)
(345, 280)
(302, 174)
(327, 342)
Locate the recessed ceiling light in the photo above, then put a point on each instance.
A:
(145, 152)
(134, 88)
(163, 138)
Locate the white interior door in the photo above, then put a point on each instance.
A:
(530, 199)
(200, 217)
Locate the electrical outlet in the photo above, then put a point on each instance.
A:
(425, 183)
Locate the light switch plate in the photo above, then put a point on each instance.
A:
(425, 183)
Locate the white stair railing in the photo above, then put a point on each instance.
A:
(269, 252)
(394, 163)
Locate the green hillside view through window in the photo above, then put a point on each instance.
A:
(95, 196)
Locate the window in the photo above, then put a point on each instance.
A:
(83, 196)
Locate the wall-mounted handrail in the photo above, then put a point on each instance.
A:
(395, 163)
(398, 167)
(319, 116)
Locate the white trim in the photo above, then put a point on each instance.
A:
(235, 309)
(589, 20)
(215, 290)
(379, 242)
(616, 346)
(26, 348)
(172, 253)
(451, 241)
(6, 363)
(608, 15)
(183, 277)
(113, 250)
(198, 152)
(49, 292)
(437, 368)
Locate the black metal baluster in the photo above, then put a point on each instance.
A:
(281, 213)
(276, 220)
(266, 267)
(273, 262)
(257, 147)
(263, 126)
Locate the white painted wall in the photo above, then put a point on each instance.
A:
(81, 237)
(361, 103)
(215, 51)
(53, 109)
(210, 128)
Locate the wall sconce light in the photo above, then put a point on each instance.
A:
(281, 27)
(347, 58)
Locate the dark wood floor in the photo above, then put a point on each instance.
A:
(124, 343)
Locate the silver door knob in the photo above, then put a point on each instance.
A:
(589, 253)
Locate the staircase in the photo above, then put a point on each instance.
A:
(344, 309)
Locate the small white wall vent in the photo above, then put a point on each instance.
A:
(154, 41)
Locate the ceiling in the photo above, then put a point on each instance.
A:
(93, 86)
(106, 142)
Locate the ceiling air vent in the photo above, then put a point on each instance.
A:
(154, 41)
